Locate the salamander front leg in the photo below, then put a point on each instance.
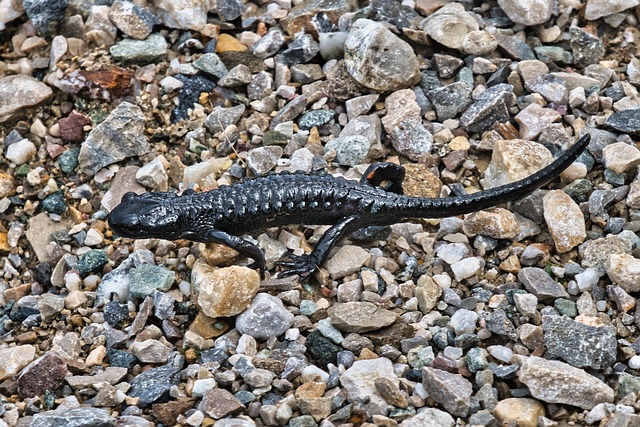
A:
(244, 247)
(306, 264)
(386, 175)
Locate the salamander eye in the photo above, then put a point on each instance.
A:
(128, 196)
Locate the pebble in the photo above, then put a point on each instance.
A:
(347, 260)
(21, 152)
(219, 403)
(263, 159)
(497, 223)
(490, 107)
(15, 359)
(513, 160)
(534, 119)
(140, 52)
(467, 268)
(464, 321)
(224, 292)
(579, 344)
(74, 417)
(211, 64)
(359, 316)
(596, 253)
(153, 384)
(452, 391)
(266, 317)
(110, 375)
(523, 411)
(428, 293)
(553, 381)
(429, 417)
(449, 25)
(624, 270)
(118, 137)
(538, 282)
(620, 157)
(596, 9)
(45, 373)
(147, 278)
(376, 58)
(450, 100)
(359, 381)
(133, 20)
(151, 351)
(564, 220)
(401, 106)
(411, 139)
(45, 15)
(527, 12)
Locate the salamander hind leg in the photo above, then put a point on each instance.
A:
(386, 175)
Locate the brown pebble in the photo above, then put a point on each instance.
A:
(72, 127)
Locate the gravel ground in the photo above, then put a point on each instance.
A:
(522, 315)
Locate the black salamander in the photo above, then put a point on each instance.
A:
(224, 214)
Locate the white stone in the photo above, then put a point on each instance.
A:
(21, 152)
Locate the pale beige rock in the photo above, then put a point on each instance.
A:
(525, 412)
(96, 356)
(151, 351)
(450, 25)
(225, 291)
(620, 157)
(599, 8)
(527, 12)
(624, 269)
(497, 223)
(564, 220)
(534, 119)
(513, 160)
(552, 381)
(18, 92)
(14, 359)
(400, 105)
(633, 197)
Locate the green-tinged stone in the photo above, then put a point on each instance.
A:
(566, 307)
(322, 349)
(91, 262)
(476, 359)
(272, 137)
(147, 278)
(22, 170)
(54, 203)
(68, 160)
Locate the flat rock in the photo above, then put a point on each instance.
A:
(429, 417)
(118, 137)
(360, 317)
(597, 9)
(534, 119)
(153, 384)
(626, 121)
(224, 292)
(564, 220)
(131, 19)
(376, 58)
(578, 344)
(348, 260)
(540, 284)
(553, 381)
(111, 375)
(449, 25)
(219, 403)
(452, 391)
(74, 417)
(19, 92)
(44, 373)
(595, 253)
(359, 380)
(191, 14)
(150, 50)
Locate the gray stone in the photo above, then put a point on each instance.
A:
(153, 384)
(74, 417)
(19, 92)
(148, 278)
(450, 100)
(527, 12)
(580, 345)
(141, 52)
(539, 283)
(211, 64)
(358, 317)
(452, 391)
(492, 106)
(118, 137)
(266, 317)
(378, 59)
(131, 19)
(222, 117)
(359, 381)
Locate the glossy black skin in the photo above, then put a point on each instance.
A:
(223, 214)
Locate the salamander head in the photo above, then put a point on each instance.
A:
(145, 216)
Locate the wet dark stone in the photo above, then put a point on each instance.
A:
(627, 121)
(322, 349)
(189, 94)
(42, 274)
(300, 51)
(394, 13)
